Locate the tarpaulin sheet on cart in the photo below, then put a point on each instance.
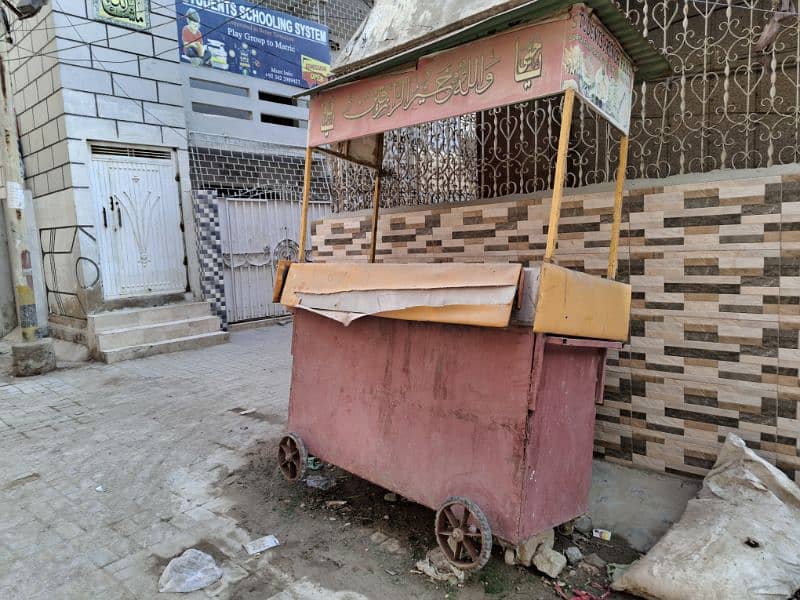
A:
(465, 294)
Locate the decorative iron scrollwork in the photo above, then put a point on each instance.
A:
(726, 105)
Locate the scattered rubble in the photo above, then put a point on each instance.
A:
(528, 549)
(391, 497)
(193, 570)
(595, 561)
(590, 570)
(574, 555)
(584, 524)
(549, 562)
(435, 566)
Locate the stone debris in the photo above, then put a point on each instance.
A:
(33, 358)
(528, 549)
(435, 566)
(193, 570)
(595, 561)
(590, 570)
(573, 554)
(549, 562)
(584, 524)
(391, 497)
(510, 557)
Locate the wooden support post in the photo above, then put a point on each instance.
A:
(376, 198)
(561, 173)
(306, 197)
(615, 224)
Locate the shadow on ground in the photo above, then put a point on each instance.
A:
(370, 546)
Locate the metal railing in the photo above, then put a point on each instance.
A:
(731, 102)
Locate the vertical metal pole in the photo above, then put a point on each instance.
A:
(234, 303)
(18, 243)
(561, 173)
(376, 197)
(615, 224)
(306, 196)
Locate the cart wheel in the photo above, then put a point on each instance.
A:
(292, 456)
(463, 533)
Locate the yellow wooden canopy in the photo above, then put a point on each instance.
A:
(561, 301)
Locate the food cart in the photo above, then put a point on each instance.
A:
(468, 388)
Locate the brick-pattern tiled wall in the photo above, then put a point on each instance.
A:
(231, 172)
(715, 270)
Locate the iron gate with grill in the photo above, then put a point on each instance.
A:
(257, 232)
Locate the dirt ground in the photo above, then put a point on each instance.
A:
(370, 546)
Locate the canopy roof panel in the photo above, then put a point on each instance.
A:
(398, 32)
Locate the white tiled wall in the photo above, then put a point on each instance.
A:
(83, 80)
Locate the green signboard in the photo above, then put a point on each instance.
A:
(134, 14)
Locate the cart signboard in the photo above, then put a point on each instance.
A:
(602, 74)
(529, 62)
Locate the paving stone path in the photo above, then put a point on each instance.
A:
(108, 470)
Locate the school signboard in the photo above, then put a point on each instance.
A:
(241, 37)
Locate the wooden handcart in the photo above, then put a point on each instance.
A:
(469, 388)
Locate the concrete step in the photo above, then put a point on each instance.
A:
(112, 339)
(192, 342)
(66, 332)
(133, 317)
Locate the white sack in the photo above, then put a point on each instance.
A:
(709, 553)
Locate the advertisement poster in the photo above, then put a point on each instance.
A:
(240, 37)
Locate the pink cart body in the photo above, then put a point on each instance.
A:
(504, 417)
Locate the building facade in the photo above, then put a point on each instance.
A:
(128, 145)
(104, 145)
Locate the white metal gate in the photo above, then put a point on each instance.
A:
(257, 233)
(138, 218)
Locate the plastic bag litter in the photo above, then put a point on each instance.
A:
(192, 570)
(740, 538)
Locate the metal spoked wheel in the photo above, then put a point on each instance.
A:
(463, 533)
(292, 456)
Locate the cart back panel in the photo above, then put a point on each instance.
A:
(567, 381)
(423, 409)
